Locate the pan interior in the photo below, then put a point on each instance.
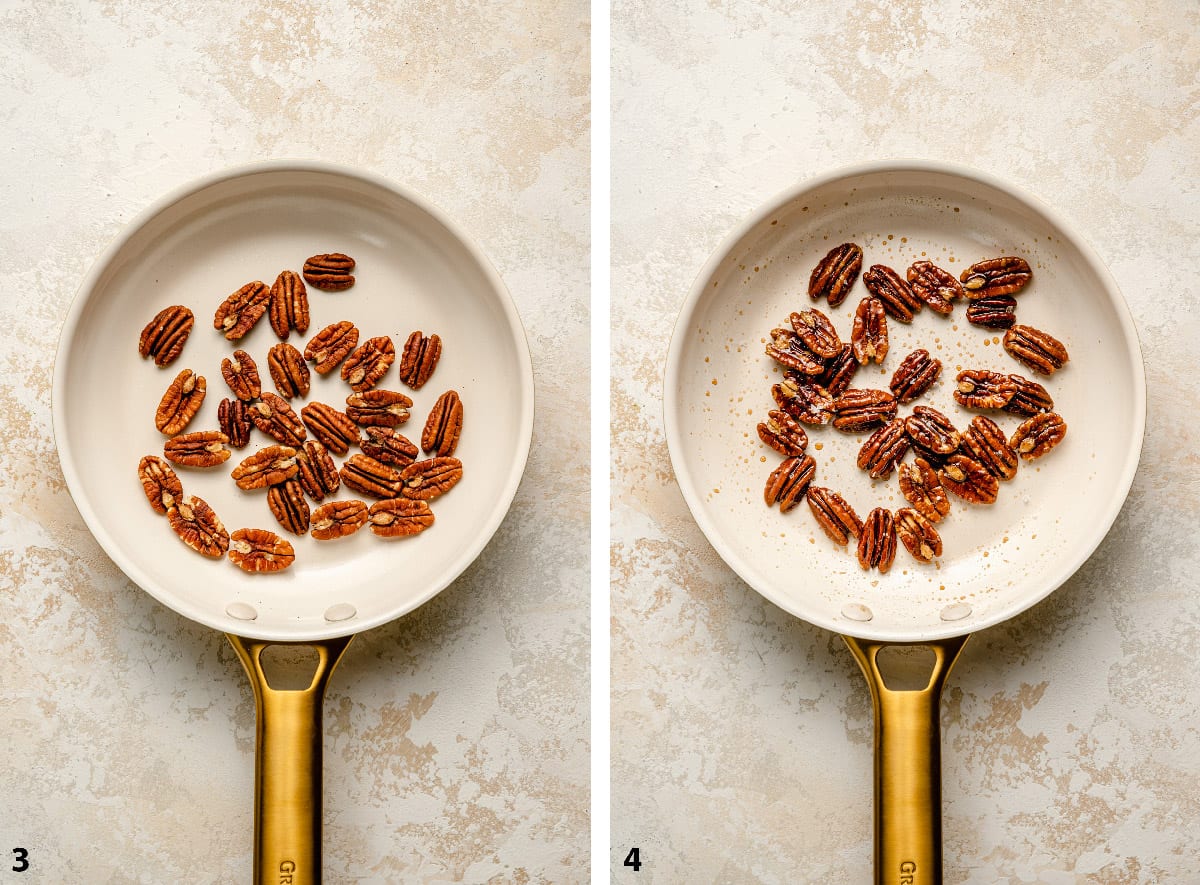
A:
(413, 273)
(998, 560)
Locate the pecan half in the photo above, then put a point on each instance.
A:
(260, 552)
(783, 433)
(241, 374)
(419, 358)
(288, 370)
(1029, 398)
(884, 449)
(936, 287)
(160, 483)
(788, 482)
(198, 526)
(869, 336)
(839, 371)
(274, 417)
(239, 313)
(233, 416)
(266, 467)
(378, 408)
(786, 348)
(164, 336)
(932, 431)
(833, 514)
(400, 517)
(363, 368)
(969, 479)
(918, 535)
(288, 308)
(893, 291)
(180, 403)
(996, 276)
(443, 427)
(331, 345)
(364, 474)
(386, 445)
(330, 271)
(983, 389)
(835, 273)
(1039, 350)
(921, 488)
(859, 409)
(288, 506)
(916, 374)
(816, 332)
(993, 312)
(803, 400)
(877, 540)
(1038, 435)
(330, 426)
(202, 448)
(317, 473)
(425, 480)
(338, 519)
(984, 441)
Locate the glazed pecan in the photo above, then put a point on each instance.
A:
(1039, 350)
(1029, 398)
(386, 445)
(260, 552)
(915, 375)
(859, 409)
(330, 426)
(337, 519)
(936, 287)
(835, 273)
(993, 312)
(288, 308)
(233, 416)
(1038, 435)
(884, 449)
(877, 540)
(996, 276)
(202, 448)
(331, 345)
(199, 527)
(288, 506)
(419, 358)
(443, 427)
(378, 408)
(238, 313)
(317, 473)
(816, 333)
(839, 371)
(802, 399)
(783, 433)
(266, 467)
(364, 474)
(400, 517)
(984, 441)
(164, 336)
(288, 370)
(363, 368)
(893, 291)
(786, 348)
(982, 389)
(330, 271)
(241, 374)
(932, 431)
(425, 480)
(787, 483)
(160, 483)
(833, 514)
(969, 479)
(869, 336)
(180, 403)
(918, 535)
(921, 488)
(274, 417)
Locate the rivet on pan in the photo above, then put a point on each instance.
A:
(243, 611)
(856, 611)
(956, 612)
(343, 611)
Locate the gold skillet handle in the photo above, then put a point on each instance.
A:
(908, 766)
(287, 766)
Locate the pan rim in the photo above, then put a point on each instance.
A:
(116, 552)
(1100, 526)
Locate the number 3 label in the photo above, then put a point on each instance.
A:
(20, 860)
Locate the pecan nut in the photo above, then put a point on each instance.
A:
(859, 409)
(803, 400)
(289, 507)
(443, 427)
(893, 291)
(266, 467)
(233, 417)
(1029, 398)
(984, 441)
(160, 483)
(331, 345)
(239, 313)
(983, 389)
(918, 535)
(202, 448)
(877, 540)
(378, 408)
(288, 370)
(833, 514)
(425, 480)
(400, 517)
(916, 374)
(330, 426)
(835, 273)
(788, 482)
(180, 403)
(869, 336)
(1038, 435)
(371, 477)
(1039, 350)
(241, 374)
(970, 480)
(338, 519)
(993, 312)
(419, 358)
(363, 368)
(787, 349)
(932, 431)
(996, 276)
(330, 271)
(317, 473)
(839, 371)
(274, 417)
(259, 551)
(198, 526)
(884, 449)
(816, 332)
(936, 287)
(783, 433)
(386, 445)
(288, 306)
(921, 488)
(164, 336)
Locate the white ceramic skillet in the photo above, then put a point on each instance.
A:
(998, 560)
(416, 270)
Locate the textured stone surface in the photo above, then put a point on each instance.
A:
(741, 735)
(456, 738)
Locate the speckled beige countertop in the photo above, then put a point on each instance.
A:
(456, 745)
(741, 735)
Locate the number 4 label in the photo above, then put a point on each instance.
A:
(634, 859)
